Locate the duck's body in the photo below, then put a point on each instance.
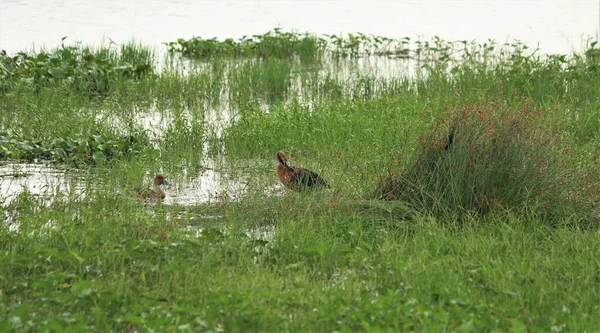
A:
(149, 193)
(297, 178)
(157, 192)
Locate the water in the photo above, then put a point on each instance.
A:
(212, 184)
(558, 26)
(45, 181)
(40, 179)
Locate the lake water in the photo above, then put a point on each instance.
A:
(558, 26)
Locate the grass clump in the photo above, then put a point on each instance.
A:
(268, 81)
(494, 158)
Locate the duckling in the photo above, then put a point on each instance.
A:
(297, 178)
(157, 192)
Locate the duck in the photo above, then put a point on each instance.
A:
(296, 178)
(157, 192)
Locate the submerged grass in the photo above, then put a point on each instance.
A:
(485, 235)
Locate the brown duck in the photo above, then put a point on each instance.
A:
(297, 178)
(157, 192)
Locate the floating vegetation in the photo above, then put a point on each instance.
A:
(306, 46)
(272, 44)
(80, 150)
(79, 68)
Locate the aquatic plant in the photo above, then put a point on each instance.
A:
(79, 150)
(266, 81)
(309, 47)
(79, 68)
(272, 44)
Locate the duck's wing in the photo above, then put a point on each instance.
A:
(142, 193)
(307, 178)
(148, 194)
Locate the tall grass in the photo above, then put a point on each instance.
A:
(493, 158)
(268, 80)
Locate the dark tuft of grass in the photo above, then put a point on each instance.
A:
(491, 158)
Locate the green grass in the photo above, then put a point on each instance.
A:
(471, 250)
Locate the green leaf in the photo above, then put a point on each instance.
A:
(85, 292)
(99, 157)
(55, 72)
(517, 326)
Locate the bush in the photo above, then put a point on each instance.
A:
(491, 158)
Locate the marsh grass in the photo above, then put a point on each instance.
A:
(268, 80)
(324, 263)
(485, 246)
(494, 159)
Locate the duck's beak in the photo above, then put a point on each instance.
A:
(165, 182)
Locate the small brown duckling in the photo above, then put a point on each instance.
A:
(296, 178)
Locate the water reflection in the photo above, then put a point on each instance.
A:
(210, 185)
(40, 179)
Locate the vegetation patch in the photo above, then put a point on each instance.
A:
(78, 68)
(272, 44)
(310, 47)
(79, 150)
(493, 158)
(480, 159)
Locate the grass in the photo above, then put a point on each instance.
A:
(494, 245)
(491, 158)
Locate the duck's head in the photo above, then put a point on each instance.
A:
(282, 158)
(160, 180)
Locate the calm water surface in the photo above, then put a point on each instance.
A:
(558, 26)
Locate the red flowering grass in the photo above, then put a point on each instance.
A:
(490, 158)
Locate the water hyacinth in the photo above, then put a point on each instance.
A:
(79, 150)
